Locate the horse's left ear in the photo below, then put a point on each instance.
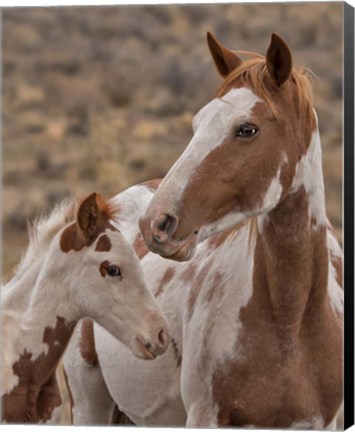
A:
(225, 60)
(278, 60)
(88, 215)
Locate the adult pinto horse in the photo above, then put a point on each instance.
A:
(275, 358)
(255, 308)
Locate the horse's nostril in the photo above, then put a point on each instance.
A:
(157, 238)
(161, 337)
(166, 223)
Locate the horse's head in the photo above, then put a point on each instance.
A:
(103, 280)
(241, 161)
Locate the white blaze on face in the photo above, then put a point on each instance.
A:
(212, 125)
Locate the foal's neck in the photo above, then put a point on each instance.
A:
(293, 246)
(16, 293)
(39, 329)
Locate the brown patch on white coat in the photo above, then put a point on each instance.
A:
(140, 247)
(36, 395)
(87, 343)
(103, 244)
(166, 278)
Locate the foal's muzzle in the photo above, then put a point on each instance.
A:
(154, 345)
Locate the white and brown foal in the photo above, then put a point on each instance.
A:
(73, 268)
(255, 305)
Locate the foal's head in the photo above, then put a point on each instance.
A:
(102, 279)
(242, 159)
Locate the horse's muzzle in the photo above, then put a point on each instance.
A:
(158, 235)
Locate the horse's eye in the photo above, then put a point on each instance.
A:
(113, 270)
(246, 131)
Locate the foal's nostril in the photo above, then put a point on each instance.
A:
(148, 345)
(162, 339)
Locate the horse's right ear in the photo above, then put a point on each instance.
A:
(88, 215)
(225, 60)
(278, 60)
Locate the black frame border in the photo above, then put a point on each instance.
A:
(348, 215)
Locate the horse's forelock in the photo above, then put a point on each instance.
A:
(253, 73)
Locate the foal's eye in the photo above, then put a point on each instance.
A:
(246, 131)
(113, 270)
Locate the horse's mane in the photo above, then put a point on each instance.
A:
(42, 231)
(252, 230)
(252, 73)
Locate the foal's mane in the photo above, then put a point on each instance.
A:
(109, 208)
(42, 231)
(252, 73)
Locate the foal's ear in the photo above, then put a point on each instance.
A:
(225, 60)
(278, 60)
(88, 215)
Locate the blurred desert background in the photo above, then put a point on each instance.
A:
(100, 98)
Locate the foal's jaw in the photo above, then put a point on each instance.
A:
(145, 330)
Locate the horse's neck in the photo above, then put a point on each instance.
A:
(292, 245)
